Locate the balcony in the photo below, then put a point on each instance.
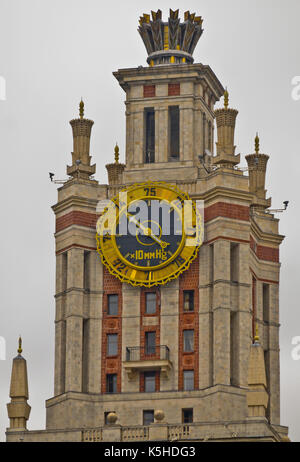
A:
(140, 359)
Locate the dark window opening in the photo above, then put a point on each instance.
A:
(86, 270)
(234, 262)
(188, 300)
(112, 303)
(188, 380)
(148, 417)
(111, 383)
(150, 302)
(149, 378)
(187, 415)
(188, 341)
(150, 343)
(266, 302)
(112, 344)
(149, 135)
(174, 132)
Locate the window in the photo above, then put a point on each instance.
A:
(234, 262)
(174, 132)
(148, 417)
(111, 383)
(233, 349)
(188, 340)
(187, 415)
(188, 300)
(266, 302)
(112, 344)
(188, 380)
(112, 303)
(149, 135)
(149, 378)
(64, 270)
(150, 302)
(150, 343)
(86, 270)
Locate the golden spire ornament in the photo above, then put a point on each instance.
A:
(117, 155)
(256, 141)
(226, 99)
(81, 109)
(20, 345)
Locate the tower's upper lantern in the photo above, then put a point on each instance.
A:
(170, 42)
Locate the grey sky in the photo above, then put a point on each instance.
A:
(54, 52)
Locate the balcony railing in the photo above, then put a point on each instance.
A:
(161, 352)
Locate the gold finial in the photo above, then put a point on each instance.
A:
(116, 153)
(226, 99)
(81, 109)
(20, 345)
(256, 338)
(256, 143)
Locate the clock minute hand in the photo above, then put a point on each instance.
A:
(143, 228)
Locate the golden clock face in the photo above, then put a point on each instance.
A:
(149, 234)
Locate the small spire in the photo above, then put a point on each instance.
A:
(116, 153)
(81, 109)
(226, 99)
(20, 345)
(256, 143)
(256, 338)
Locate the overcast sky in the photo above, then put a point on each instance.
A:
(52, 52)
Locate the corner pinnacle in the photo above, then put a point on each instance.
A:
(226, 99)
(81, 109)
(256, 141)
(116, 153)
(20, 346)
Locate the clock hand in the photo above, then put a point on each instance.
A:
(163, 244)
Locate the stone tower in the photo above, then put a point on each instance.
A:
(213, 379)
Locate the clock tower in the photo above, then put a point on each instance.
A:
(189, 357)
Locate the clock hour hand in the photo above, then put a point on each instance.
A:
(147, 231)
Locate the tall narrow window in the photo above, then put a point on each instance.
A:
(211, 263)
(234, 262)
(150, 343)
(64, 270)
(149, 135)
(149, 378)
(188, 380)
(233, 348)
(111, 383)
(86, 270)
(85, 337)
(112, 344)
(266, 302)
(112, 304)
(188, 341)
(174, 132)
(150, 302)
(188, 300)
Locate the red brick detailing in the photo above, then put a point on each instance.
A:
(149, 91)
(224, 209)
(111, 325)
(154, 328)
(264, 252)
(268, 253)
(174, 89)
(142, 381)
(189, 280)
(76, 217)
